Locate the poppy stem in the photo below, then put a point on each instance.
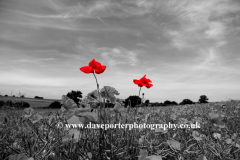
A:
(138, 99)
(99, 117)
(96, 82)
(139, 95)
(142, 101)
(139, 92)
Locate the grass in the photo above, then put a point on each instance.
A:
(42, 140)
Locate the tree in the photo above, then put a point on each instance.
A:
(167, 103)
(75, 96)
(147, 101)
(133, 101)
(174, 103)
(37, 97)
(186, 101)
(203, 99)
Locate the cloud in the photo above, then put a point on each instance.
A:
(25, 79)
(117, 56)
(211, 58)
(179, 40)
(33, 60)
(149, 69)
(216, 30)
(82, 9)
(196, 22)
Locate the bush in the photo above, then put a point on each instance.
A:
(26, 105)
(55, 104)
(9, 103)
(21, 104)
(1, 104)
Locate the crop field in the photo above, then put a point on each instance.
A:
(39, 138)
(35, 103)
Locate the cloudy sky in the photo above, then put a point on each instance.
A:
(187, 48)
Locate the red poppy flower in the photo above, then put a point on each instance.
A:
(143, 82)
(93, 66)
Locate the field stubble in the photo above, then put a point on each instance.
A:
(217, 139)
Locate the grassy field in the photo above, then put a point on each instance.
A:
(33, 102)
(217, 138)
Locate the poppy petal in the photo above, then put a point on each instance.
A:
(35, 118)
(149, 81)
(109, 92)
(68, 103)
(86, 69)
(94, 96)
(149, 85)
(174, 144)
(94, 64)
(99, 69)
(28, 112)
(143, 82)
(136, 81)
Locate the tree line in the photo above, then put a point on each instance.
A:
(136, 100)
(131, 101)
